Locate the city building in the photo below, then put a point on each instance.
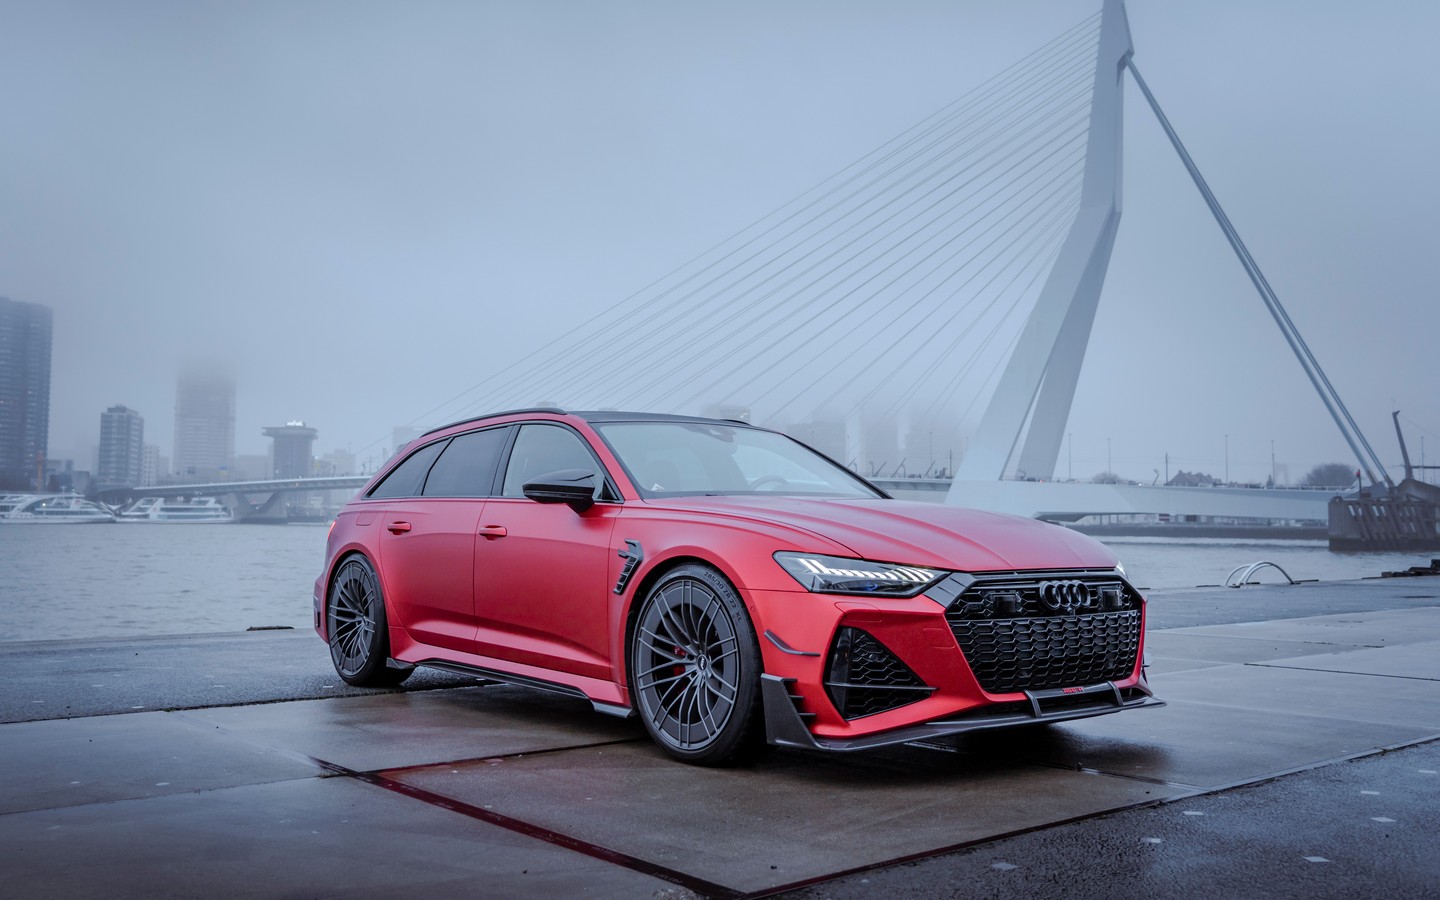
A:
(337, 462)
(827, 434)
(122, 448)
(400, 435)
(204, 426)
(291, 453)
(25, 334)
(150, 466)
(251, 467)
(61, 477)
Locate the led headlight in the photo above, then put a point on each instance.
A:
(837, 575)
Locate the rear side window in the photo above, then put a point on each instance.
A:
(467, 467)
(408, 477)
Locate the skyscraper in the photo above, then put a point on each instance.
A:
(204, 425)
(25, 331)
(122, 448)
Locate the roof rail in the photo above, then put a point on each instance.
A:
(504, 412)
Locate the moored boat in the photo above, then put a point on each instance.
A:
(197, 510)
(52, 509)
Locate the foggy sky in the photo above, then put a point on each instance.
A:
(365, 208)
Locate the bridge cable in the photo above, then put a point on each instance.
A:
(653, 333)
(896, 146)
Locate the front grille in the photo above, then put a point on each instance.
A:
(863, 677)
(1050, 631)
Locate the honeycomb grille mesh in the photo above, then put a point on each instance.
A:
(866, 678)
(1047, 652)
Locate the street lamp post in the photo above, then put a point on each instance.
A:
(1227, 459)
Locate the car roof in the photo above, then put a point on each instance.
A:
(594, 416)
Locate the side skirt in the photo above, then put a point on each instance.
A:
(539, 684)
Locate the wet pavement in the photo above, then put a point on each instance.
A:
(1297, 758)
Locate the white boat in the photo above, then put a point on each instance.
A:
(187, 509)
(51, 509)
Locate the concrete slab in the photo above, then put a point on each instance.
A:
(391, 730)
(1217, 605)
(1332, 695)
(792, 817)
(63, 679)
(1201, 745)
(1417, 661)
(72, 762)
(1362, 829)
(1376, 628)
(1161, 666)
(320, 837)
(1228, 648)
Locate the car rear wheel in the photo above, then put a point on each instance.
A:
(355, 622)
(695, 669)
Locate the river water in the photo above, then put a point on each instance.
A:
(90, 581)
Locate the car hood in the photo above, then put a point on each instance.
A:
(920, 534)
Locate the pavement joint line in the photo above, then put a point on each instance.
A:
(1282, 712)
(331, 769)
(949, 848)
(1085, 770)
(499, 757)
(1143, 779)
(268, 701)
(539, 832)
(1308, 767)
(1261, 665)
(379, 779)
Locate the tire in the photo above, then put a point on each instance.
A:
(355, 622)
(695, 669)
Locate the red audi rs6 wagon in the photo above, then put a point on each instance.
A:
(725, 583)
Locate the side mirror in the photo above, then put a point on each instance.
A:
(573, 486)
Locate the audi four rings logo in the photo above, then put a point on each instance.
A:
(1065, 596)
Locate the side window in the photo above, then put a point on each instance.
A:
(405, 479)
(542, 449)
(467, 467)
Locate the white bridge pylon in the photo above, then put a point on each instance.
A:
(1041, 374)
(1010, 464)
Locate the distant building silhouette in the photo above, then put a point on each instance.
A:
(150, 466)
(122, 448)
(25, 335)
(400, 435)
(1192, 479)
(204, 426)
(292, 449)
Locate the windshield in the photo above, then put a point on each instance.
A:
(672, 458)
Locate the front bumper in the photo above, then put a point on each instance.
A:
(784, 726)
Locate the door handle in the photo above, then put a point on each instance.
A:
(490, 532)
(398, 527)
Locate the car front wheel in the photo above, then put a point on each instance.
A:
(695, 669)
(355, 622)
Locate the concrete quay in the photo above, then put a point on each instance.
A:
(1298, 757)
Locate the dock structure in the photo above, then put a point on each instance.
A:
(1401, 522)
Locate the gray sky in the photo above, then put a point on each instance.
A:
(365, 208)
